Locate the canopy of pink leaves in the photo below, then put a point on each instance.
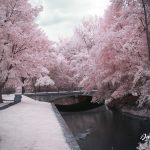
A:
(109, 54)
(24, 48)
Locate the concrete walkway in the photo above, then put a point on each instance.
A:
(30, 125)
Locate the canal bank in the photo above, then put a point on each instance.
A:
(32, 125)
(101, 128)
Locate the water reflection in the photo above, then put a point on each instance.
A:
(100, 129)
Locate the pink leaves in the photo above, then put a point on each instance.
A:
(114, 47)
(26, 46)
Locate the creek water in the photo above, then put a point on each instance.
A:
(102, 129)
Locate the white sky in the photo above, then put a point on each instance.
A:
(59, 17)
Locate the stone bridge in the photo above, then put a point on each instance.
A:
(53, 96)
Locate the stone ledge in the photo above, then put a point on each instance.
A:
(70, 139)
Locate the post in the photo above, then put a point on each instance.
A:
(18, 96)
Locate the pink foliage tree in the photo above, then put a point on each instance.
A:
(61, 72)
(76, 50)
(115, 49)
(22, 43)
(121, 49)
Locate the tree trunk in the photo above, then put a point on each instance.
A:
(33, 84)
(146, 27)
(23, 88)
(1, 100)
(2, 84)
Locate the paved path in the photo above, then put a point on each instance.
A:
(30, 125)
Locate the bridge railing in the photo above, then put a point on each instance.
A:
(62, 93)
(54, 93)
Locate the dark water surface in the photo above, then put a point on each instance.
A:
(101, 129)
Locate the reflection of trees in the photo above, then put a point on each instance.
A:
(106, 129)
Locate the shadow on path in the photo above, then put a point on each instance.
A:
(8, 105)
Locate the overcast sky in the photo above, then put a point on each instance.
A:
(59, 17)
